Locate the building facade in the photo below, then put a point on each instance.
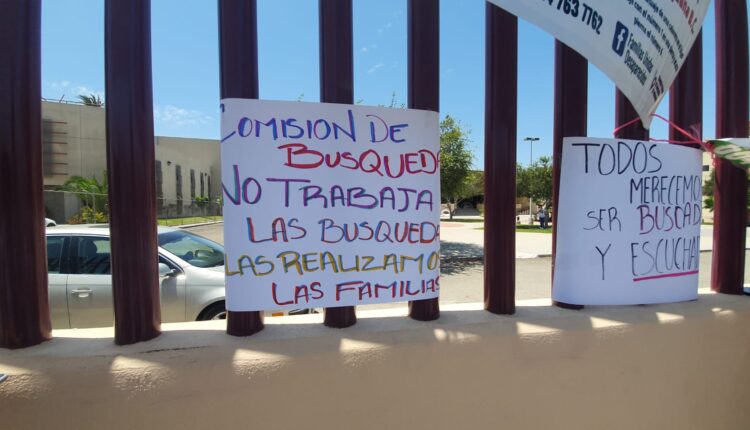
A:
(74, 139)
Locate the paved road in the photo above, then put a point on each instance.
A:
(462, 278)
(528, 245)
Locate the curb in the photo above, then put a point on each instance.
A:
(468, 258)
(481, 257)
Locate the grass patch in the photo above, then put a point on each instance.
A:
(520, 228)
(528, 229)
(172, 222)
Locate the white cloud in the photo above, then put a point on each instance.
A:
(364, 49)
(385, 28)
(57, 85)
(375, 68)
(67, 90)
(84, 90)
(178, 117)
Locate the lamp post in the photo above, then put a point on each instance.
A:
(531, 141)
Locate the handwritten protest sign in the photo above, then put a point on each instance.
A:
(629, 220)
(329, 204)
(639, 44)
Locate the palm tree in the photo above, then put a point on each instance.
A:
(91, 100)
(91, 192)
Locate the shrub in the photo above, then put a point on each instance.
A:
(87, 216)
(201, 202)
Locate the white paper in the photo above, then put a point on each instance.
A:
(315, 173)
(639, 44)
(629, 220)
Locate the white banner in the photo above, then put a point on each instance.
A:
(329, 205)
(639, 44)
(628, 223)
(735, 149)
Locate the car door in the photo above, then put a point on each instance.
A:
(172, 290)
(89, 285)
(57, 274)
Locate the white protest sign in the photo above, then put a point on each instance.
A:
(639, 44)
(628, 223)
(329, 205)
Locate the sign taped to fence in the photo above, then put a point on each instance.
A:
(629, 221)
(639, 44)
(329, 205)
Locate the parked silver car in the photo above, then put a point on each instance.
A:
(191, 276)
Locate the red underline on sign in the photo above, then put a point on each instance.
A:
(666, 275)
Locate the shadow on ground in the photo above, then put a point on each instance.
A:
(453, 250)
(459, 265)
(457, 257)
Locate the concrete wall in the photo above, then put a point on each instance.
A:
(679, 366)
(201, 155)
(75, 135)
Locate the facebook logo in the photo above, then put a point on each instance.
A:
(620, 39)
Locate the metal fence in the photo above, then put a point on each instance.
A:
(67, 207)
(24, 312)
(182, 208)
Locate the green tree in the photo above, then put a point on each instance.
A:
(91, 100)
(455, 162)
(535, 181)
(708, 186)
(474, 184)
(708, 192)
(522, 181)
(91, 192)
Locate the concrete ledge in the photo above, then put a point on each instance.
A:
(662, 366)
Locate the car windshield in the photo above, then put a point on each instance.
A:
(196, 250)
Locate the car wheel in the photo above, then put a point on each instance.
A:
(216, 311)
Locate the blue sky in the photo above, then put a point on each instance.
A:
(186, 64)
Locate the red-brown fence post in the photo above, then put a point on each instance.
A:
(238, 63)
(337, 86)
(625, 112)
(423, 39)
(571, 109)
(501, 97)
(130, 170)
(730, 190)
(24, 304)
(686, 95)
